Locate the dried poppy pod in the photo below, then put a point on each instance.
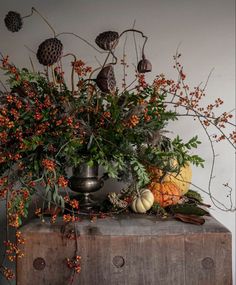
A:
(106, 79)
(107, 40)
(13, 21)
(144, 66)
(49, 51)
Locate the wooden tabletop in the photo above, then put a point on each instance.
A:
(135, 224)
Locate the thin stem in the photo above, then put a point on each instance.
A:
(112, 53)
(124, 62)
(45, 20)
(176, 54)
(135, 43)
(32, 65)
(29, 15)
(196, 115)
(99, 63)
(72, 71)
(46, 74)
(208, 78)
(139, 32)
(105, 61)
(3, 85)
(199, 115)
(79, 37)
(136, 188)
(131, 83)
(28, 48)
(64, 145)
(213, 158)
(96, 69)
(53, 75)
(60, 75)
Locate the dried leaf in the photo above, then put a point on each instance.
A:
(191, 219)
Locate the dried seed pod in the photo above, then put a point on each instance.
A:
(116, 201)
(13, 21)
(144, 66)
(107, 40)
(106, 79)
(49, 51)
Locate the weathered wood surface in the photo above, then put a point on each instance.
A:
(128, 250)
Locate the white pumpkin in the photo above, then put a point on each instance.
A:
(143, 201)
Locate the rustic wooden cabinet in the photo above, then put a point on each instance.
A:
(127, 250)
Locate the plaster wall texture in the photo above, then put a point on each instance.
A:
(204, 30)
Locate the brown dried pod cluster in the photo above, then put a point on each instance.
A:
(144, 66)
(13, 21)
(49, 51)
(106, 79)
(107, 40)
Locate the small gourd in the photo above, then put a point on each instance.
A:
(165, 193)
(181, 179)
(143, 201)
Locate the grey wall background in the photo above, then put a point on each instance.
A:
(205, 29)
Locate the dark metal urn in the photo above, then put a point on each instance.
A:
(85, 180)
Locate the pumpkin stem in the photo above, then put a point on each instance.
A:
(162, 177)
(137, 189)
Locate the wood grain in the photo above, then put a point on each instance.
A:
(129, 250)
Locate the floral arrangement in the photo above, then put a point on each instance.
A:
(48, 126)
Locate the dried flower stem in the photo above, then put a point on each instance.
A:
(45, 20)
(72, 71)
(3, 85)
(30, 49)
(208, 118)
(79, 37)
(124, 61)
(139, 32)
(199, 115)
(135, 43)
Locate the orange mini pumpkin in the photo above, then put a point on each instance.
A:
(166, 193)
(181, 179)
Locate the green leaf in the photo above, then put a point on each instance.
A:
(194, 195)
(189, 210)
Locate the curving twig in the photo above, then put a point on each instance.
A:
(82, 39)
(139, 32)
(45, 20)
(72, 71)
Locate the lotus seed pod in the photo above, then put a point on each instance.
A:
(49, 51)
(144, 66)
(107, 40)
(13, 21)
(106, 79)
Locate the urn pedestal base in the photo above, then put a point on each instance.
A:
(85, 181)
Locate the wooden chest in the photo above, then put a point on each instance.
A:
(127, 250)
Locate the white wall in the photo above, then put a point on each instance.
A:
(205, 28)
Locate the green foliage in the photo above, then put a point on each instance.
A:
(139, 172)
(188, 209)
(191, 194)
(158, 210)
(181, 149)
